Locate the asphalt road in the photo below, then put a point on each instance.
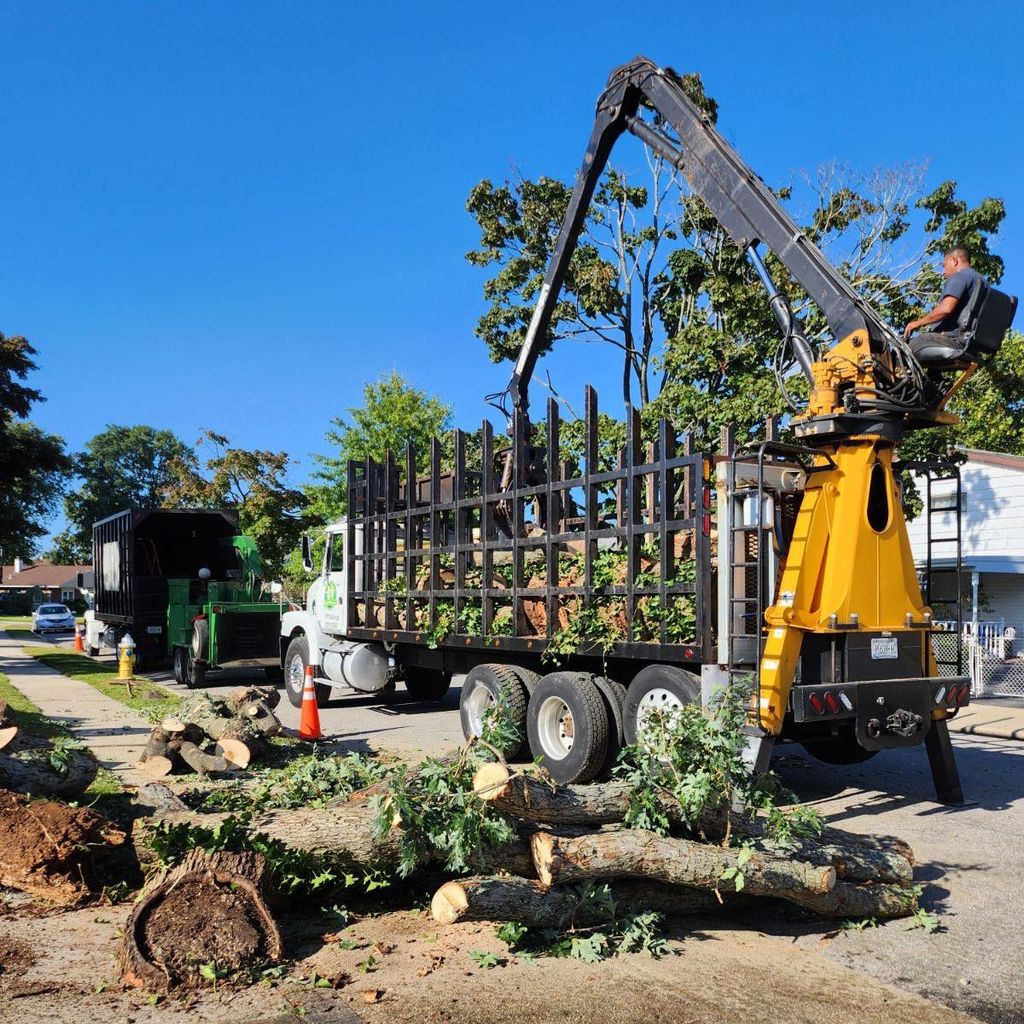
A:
(970, 859)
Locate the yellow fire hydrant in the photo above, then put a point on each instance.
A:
(126, 657)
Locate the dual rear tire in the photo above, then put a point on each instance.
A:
(575, 722)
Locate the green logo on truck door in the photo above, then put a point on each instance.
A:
(330, 595)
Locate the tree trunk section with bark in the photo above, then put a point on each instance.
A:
(31, 771)
(639, 854)
(211, 907)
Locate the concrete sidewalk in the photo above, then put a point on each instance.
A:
(114, 733)
(998, 717)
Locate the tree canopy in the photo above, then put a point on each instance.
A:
(655, 278)
(33, 463)
(393, 414)
(254, 483)
(121, 467)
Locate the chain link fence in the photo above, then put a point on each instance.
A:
(993, 656)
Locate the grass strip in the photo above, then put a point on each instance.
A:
(144, 696)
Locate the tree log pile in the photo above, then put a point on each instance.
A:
(573, 834)
(42, 767)
(213, 735)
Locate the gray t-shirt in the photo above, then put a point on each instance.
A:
(959, 285)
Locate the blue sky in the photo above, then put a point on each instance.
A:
(234, 214)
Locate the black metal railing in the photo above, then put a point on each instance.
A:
(501, 544)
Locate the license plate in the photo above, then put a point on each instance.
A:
(159, 629)
(884, 647)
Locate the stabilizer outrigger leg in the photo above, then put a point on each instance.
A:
(943, 764)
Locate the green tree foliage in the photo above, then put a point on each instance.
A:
(33, 463)
(656, 279)
(393, 414)
(121, 467)
(252, 482)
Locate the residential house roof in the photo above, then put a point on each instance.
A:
(41, 574)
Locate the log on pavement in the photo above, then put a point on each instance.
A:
(505, 898)
(211, 906)
(856, 858)
(636, 853)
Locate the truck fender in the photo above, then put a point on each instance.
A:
(294, 623)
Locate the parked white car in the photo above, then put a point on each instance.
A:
(54, 617)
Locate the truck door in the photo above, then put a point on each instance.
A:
(332, 613)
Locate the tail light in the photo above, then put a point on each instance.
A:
(816, 703)
(830, 701)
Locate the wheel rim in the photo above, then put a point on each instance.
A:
(659, 700)
(296, 674)
(555, 728)
(477, 704)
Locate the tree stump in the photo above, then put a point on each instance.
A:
(209, 908)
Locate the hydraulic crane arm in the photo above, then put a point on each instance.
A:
(736, 196)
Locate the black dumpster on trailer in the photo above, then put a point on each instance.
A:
(134, 552)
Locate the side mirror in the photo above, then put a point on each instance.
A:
(307, 555)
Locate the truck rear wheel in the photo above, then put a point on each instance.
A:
(426, 683)
(567, 723)
(657, 688)
(614, 695)
(195, 673)
(180, 664)
(485, 686)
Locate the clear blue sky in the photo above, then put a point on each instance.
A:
(233, 214)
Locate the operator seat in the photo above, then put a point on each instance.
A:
(981, 326)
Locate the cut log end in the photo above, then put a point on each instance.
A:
(491, 781)
(156, 767)
(235, 752)
(201, 762)
(449, 903)
(542, 846)
(8, 735)
(171, 724)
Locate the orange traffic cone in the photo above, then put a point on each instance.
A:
(78, 646)
(309, 718)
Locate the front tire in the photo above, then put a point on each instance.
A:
(426, 684)
(295, 662)
(657, 688)
(568, 726)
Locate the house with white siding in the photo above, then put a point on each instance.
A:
(992, 580)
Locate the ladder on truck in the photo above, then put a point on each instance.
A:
(759, 490)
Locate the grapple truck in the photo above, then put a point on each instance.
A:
(188, 587)
(585, 596)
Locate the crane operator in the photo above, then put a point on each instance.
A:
(961, 280)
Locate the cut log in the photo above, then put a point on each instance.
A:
(345, 833)
(635, 853)
(860, 901)
(210, 907)
(156, 798)
(8, 734)
(157, 744)
(503, 898)
(235, 752)
(199, 761)
(213, 718)
(156, 767)
(49, 848)
(855, 857)
(240, 700)
(32, 771)
(490, 779)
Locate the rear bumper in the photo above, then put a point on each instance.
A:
(884, 713)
